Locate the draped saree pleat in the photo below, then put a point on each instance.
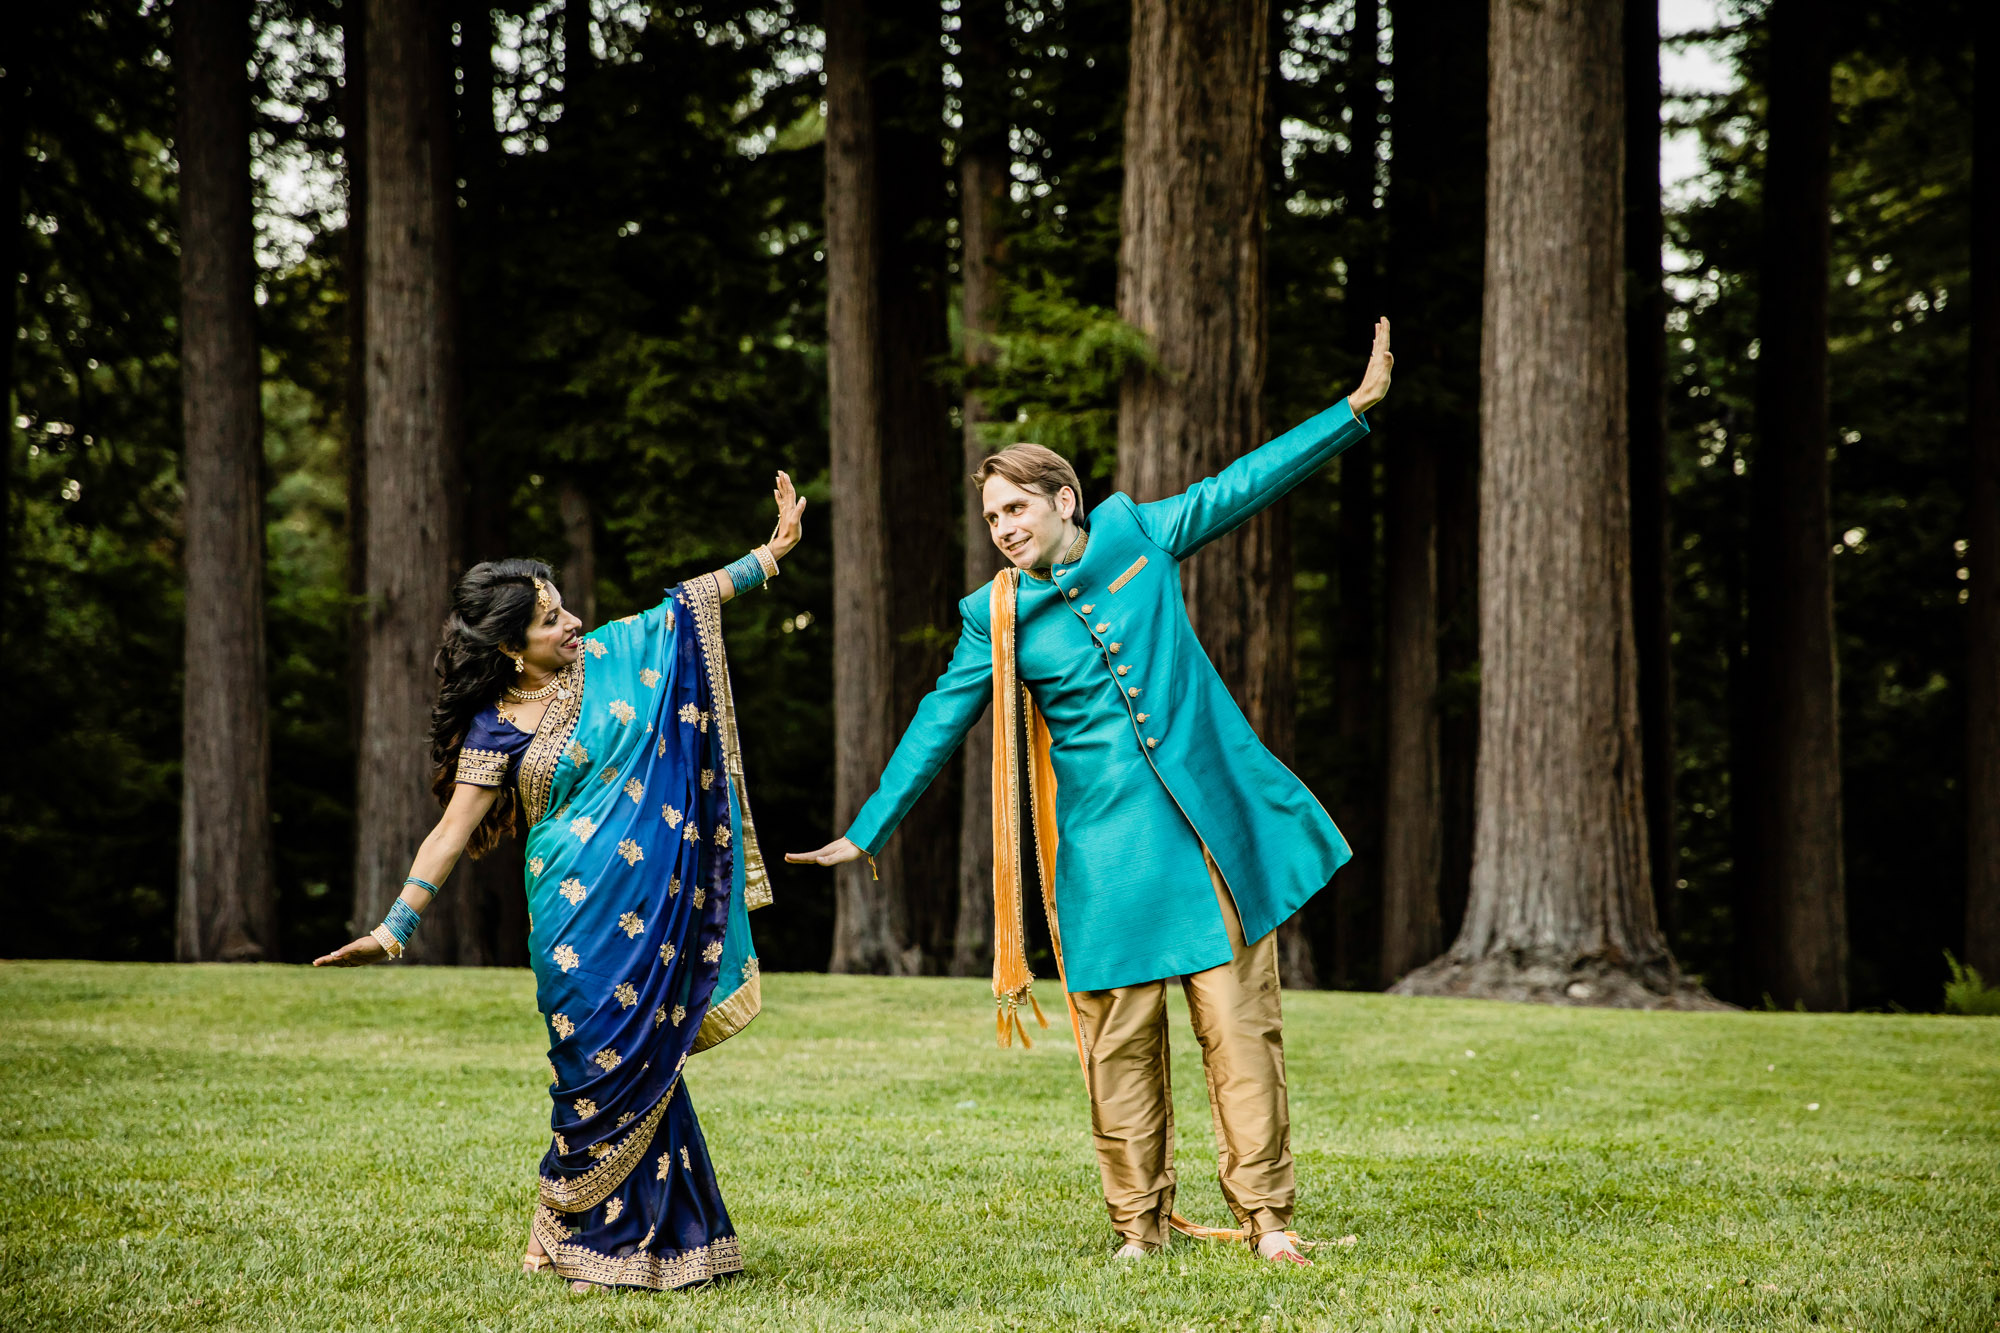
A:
(642, 863)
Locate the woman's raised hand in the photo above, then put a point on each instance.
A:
(791, 508)
(361, 953)
(1375, 380)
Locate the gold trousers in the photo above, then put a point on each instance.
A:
(1235, 1012)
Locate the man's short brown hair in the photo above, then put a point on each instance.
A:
(1033, 467)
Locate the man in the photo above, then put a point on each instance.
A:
(1184, 843)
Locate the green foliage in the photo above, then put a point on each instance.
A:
(1061, 365)
(1901, 200)
(362, 1149)
(1967, 992)
(90, 606)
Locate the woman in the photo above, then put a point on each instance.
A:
(620, 746)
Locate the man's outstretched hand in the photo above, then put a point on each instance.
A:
(835, 852)
(1375, 380)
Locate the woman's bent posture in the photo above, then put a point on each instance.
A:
(642, 862)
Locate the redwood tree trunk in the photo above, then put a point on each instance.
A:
(920, 452)
(227, 909)
(412, 468)
(579, 572)
(1560, 909)
(1789, 825)
(869, 927)
(1191, 277)
(1982, 768)
(354, 259)
(1646, 404)
(1357, 900)
(982, 197)
(1436, 199)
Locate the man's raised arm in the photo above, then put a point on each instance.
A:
(934, 734)
(1185, 523)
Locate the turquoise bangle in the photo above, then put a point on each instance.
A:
(402, 921)
(422, 884)
(745, 574)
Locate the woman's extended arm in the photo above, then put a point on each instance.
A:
(751, 570)
(434, 861)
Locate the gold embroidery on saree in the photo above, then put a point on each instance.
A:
(576, 1193)
(639, 1269)
(538, 764)
(708, 626)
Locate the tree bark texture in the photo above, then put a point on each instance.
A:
(1646, 405)
(227, 908)
(579, 572)
(1436, 205)
(1560, 909)
(1788, 815)
(983, 165)
(1412, 827)
(869, 931)
(1982, 776)
(411, 531)
(921, 454)
(1191, 277)
(1357, 900)
(354, 259)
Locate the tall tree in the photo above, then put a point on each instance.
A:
(227, 897)
(870, 929)
(412, 502)
(1561, 908)
(1436, 235)
(1356, 889)
(1191, 277)
(13, 149)
(1646, 411)
(1788, 824)
(921, 456)
(982, 198)
(1982, 738)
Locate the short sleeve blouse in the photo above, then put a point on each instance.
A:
(491, 754)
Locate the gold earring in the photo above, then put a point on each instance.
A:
(519, 667)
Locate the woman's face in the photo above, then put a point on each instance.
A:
(555, 637)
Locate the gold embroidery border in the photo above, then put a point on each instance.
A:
(639, 1269)
(707, 604)
(725, 1020)
(481, 768)
(593, 1186)
(545, 751)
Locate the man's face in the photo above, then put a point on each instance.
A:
(1027, 527)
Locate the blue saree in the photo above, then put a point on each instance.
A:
(642, 867)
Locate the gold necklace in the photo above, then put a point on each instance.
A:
(517, 695)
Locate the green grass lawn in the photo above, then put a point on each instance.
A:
(275, 1148)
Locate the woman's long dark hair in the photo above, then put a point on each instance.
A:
(491, 605)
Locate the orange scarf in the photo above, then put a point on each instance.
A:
(1015, 716)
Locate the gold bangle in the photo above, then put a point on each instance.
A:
(768, 561)
(390, 944)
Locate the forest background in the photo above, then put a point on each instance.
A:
(634, 266)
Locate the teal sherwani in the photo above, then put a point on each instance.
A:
(1153, 759)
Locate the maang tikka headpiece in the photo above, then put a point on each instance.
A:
(545, 598)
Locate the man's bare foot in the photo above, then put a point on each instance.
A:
(1279, 1248)
(1129, 1250)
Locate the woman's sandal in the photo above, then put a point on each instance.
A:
(537, 1263)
